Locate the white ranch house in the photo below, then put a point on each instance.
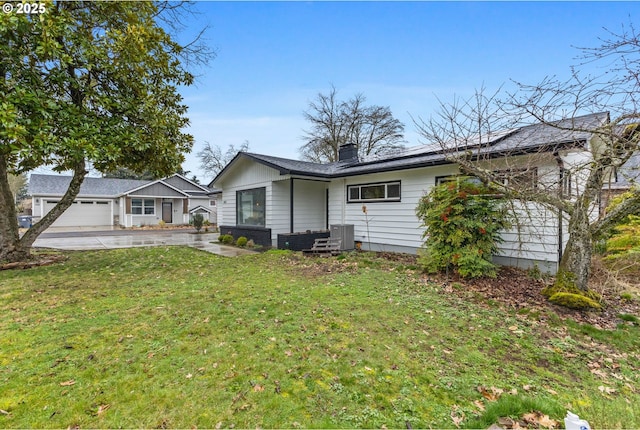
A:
(123, 202)
(264, 197)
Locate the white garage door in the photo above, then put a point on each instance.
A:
(82, 213)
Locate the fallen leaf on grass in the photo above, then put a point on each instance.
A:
(538, 419)
(67, 383)
(607, 390)
(102, 409)
(492, 394)
(479, 405)
(506, 422)
(3, 412)
(457, 419)
(258, 388)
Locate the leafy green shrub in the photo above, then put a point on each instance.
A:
(626, 237)
(198, 220)
(226, 239)
(242, 241)
(463, 220)
(251, 243)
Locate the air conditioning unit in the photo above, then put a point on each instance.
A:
(344, 232)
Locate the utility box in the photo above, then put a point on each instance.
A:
(344, 232)
(24, 221)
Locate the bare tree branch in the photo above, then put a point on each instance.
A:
(334, 123)
(213, 160)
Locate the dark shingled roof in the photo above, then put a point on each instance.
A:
(58, 185)
(518, 141)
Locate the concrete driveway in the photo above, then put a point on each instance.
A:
(110, 239)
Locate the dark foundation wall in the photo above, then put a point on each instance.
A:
(259, 235)
(300, 241)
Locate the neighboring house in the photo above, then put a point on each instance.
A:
(123, 202)
(265, 196)
(621, 181)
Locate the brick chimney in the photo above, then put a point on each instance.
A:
(348, 151)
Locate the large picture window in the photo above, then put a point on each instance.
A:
(250, 206)
(143, 206)
(380, 192)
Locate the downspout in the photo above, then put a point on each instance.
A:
(560, 191)
(290, 205)
(326, 209)
(344, 201)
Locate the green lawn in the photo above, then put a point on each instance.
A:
(175, 337)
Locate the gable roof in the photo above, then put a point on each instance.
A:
(527, 139)
(200, 208)
(187, 185)
(161, 184)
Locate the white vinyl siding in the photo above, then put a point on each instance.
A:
(387, 225)
(394, 225)
(279, 208)
(250, 175)
(310, 208)
(390, 224)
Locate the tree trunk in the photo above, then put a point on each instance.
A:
(575, 265)
(14, 248)
(10, 249)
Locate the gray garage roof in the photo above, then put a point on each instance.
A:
(55, 185)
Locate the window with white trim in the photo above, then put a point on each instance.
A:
(518, 178)
(454, 178)
(377, 192)
(143, 206)
(212, 203)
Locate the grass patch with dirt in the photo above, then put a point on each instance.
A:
(174, 337)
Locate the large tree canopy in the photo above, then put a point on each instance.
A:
(86, 82)
(373, 129)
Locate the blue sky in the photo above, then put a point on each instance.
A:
(273, 58)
